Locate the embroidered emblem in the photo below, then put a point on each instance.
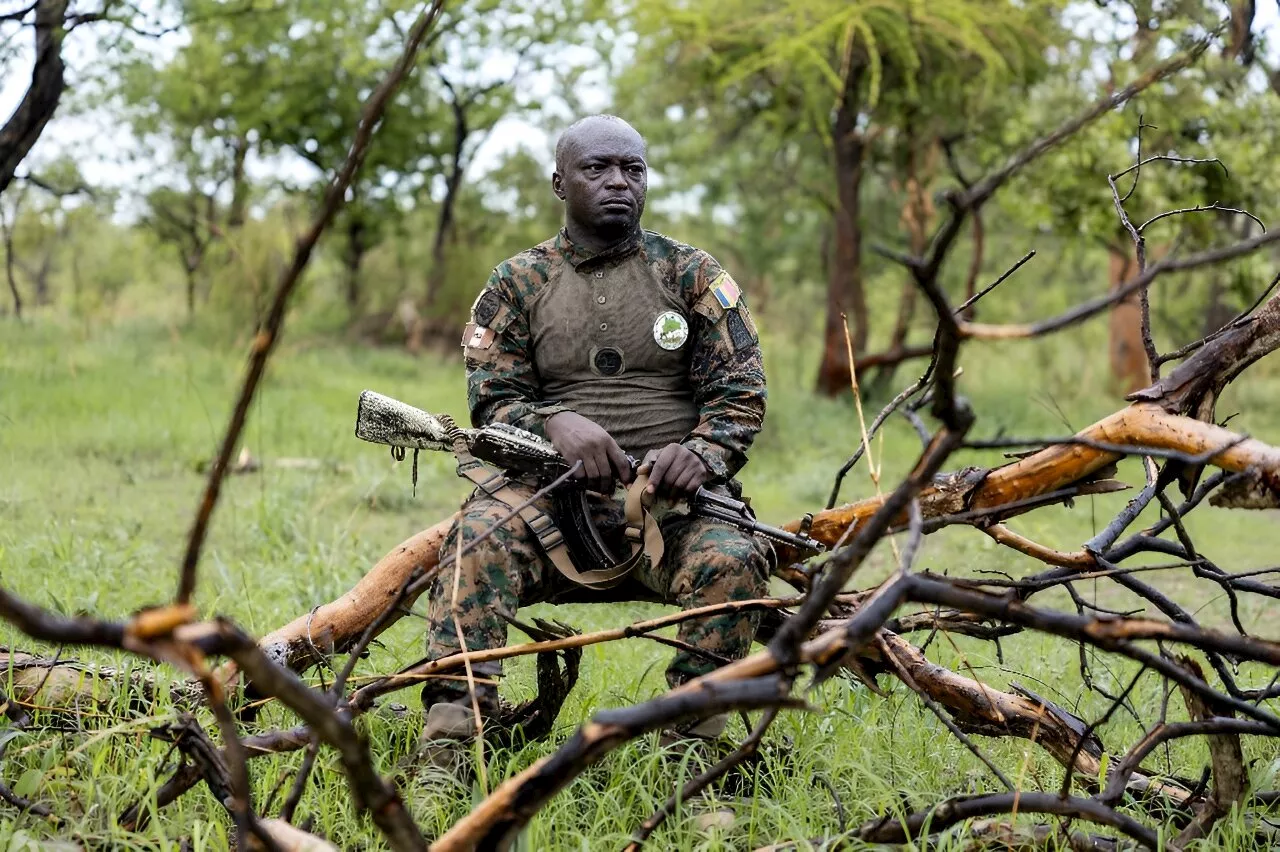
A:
(486, 308)
(607, 361)
(738, 333)
(725, 290)
(670, 330)
(476, 337)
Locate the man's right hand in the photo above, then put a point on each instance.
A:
(579, 439)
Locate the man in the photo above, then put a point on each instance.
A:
(609, 341)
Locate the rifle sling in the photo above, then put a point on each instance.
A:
(642, 533)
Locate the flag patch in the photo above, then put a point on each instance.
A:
(725, 290)
(477, 337)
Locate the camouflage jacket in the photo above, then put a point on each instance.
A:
(725, 368)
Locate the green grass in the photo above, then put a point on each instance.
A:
(102, 437)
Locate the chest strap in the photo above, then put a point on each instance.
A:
(642, 534)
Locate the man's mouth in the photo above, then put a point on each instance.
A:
(616, 204)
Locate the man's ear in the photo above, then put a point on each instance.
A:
(557, 185)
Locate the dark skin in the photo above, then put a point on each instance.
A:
(602, 178)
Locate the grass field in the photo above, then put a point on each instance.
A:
(102, 437)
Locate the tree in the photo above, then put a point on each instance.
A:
(20, 132)
(1185, 122)
(35, 221)
(834, 78)
(287, 79)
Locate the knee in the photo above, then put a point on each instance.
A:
(483, 529)
(728, 565)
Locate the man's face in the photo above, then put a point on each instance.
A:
(604, 178)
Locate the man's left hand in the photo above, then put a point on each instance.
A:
(676, 471)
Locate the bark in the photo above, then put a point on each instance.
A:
(190, 274)
(1129, 368)
(975, 264)
(845, 296)
(1140, 426)
(1240, 45)
(28, 121)
(6, 231)
(917, 218)
(353, 259)
(429, 323)
(239, 183)
(1230, 779)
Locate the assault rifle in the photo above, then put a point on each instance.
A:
(383, 420)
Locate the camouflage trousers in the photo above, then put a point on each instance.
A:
(705, 562)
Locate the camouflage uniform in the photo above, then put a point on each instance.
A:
(530, 354)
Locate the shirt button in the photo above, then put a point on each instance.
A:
(604, 326)
(600, 299)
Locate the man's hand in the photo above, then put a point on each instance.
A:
(579, 439)
(676, 471)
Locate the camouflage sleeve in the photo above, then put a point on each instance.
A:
(726, 370)
(502, 384)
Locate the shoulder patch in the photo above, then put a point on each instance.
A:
(725, 290)
(477, 337)
(486, 308)
(741, 336)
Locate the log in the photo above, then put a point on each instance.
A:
(1142, 425)
(336, 626)
(290, 839)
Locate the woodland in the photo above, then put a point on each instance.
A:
(1014, 273)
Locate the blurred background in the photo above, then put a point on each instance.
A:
(793, 139)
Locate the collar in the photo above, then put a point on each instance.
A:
(578, 255)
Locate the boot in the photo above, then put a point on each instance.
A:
(694, 738)
(698, 741)
(443, 753)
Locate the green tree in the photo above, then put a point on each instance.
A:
(824, 83)
(289, 78)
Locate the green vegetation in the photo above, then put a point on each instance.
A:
(802, 143)
(101, 439)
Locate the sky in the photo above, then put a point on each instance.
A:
(109, 155)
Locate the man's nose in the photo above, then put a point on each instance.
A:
(615, 178)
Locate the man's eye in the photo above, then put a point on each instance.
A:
(636, 169)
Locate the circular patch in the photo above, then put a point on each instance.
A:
(670, 330)
(608, 361)
(486, 308)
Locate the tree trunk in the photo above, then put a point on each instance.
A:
(428, 322)
(975, 263)
(239, 185)
(26, 124)
(353, 258)
(1129, 368)
(40, 278)
(191, 288)
(7, 233)
(917, 217)
(845, 296)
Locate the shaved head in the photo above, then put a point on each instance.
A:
(595, 129)
(602, 178)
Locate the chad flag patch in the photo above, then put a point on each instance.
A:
(725, 290)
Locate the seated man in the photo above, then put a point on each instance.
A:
(606, 340)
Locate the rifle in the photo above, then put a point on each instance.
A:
(383, 420)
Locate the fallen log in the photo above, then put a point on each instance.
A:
(336, 626)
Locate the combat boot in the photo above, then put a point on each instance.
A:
(698, 742)
(443, 754)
